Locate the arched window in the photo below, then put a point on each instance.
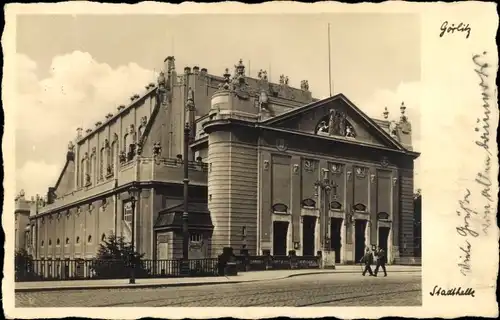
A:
(50, 242)
(92, 167)
(89, 239)
(77, 240)
(67, 241)
(103, 237)
(58, 242)
(101, 164)
(82, 173)
(113, 154)
(125, 142)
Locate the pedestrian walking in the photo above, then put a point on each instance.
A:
(381, 260)
(368, 260)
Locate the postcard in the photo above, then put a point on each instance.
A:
(250, 161)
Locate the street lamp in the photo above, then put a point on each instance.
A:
(132, 192)
(323, 187)
(185, 229)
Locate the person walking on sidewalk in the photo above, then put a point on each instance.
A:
(381, 260)
(368, 260)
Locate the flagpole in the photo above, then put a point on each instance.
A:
(329, 63)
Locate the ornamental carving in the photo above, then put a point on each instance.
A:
(156, 149)
(359, 207)
(71, 147)
(309, 165)
(335, 205)
(58, 216)
(262, 75)
(266, 164)
(304, 85)
(336, 168)
(94, 150)
(280, 208)
(394, 181)
(360, 172)
(105, 143)
(109, 170)
(335, 124)
(295, 169)
(87, 179)
(239, 82)
(372, 178)
(308, 203)
(115, 137)
(383, 216)
(281, 145)
(122, 157)
(131, 129)
(283, 80)
(384, 162)
(144, 120)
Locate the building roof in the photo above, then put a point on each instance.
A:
(171, 218)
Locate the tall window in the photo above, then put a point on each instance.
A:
(82, 173)
(101, 164)
(92, 167)
(125, 142)
(128, 212)
(113, 154)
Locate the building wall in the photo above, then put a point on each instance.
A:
(219, 187)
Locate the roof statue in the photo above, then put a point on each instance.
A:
(161, 80)
(71, 147)
(304, 85)
(386, 113)
(262, 75)
(283, 80)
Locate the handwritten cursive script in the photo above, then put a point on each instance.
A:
(465, 230)
(461, 27)
(483, 177)
(439, 291)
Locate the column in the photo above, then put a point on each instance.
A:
(301, 236)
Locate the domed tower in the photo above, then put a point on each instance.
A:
(232, 173)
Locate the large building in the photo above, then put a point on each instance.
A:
(270, 170)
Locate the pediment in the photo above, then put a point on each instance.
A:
(335, 117)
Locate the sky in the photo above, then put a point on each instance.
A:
(74, 69)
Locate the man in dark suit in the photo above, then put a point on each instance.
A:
(381, 260)
(368, 260)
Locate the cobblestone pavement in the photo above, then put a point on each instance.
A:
(398, 289)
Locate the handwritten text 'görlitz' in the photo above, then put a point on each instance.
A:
(465, 211)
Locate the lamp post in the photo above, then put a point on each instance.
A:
(185, 229)
(132, 192)
(324, 186)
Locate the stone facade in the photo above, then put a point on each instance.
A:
(272, 168)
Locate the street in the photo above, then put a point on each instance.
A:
(341, 289)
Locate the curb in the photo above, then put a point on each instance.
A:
(187, 284)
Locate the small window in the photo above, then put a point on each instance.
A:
(195, 237)
(89, 239)
(103, 237)
(58, 242)
(77, 240)
(42, 243)
(67, 241)
(50, 242)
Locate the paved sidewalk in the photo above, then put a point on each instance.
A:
(250, 276)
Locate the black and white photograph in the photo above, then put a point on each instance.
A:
(246, 159)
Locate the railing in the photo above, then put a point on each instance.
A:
(46, 270)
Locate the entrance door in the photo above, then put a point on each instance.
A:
(280, 232)
(359, 239)
(336, 238)
(308, 235)
(383, 238)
